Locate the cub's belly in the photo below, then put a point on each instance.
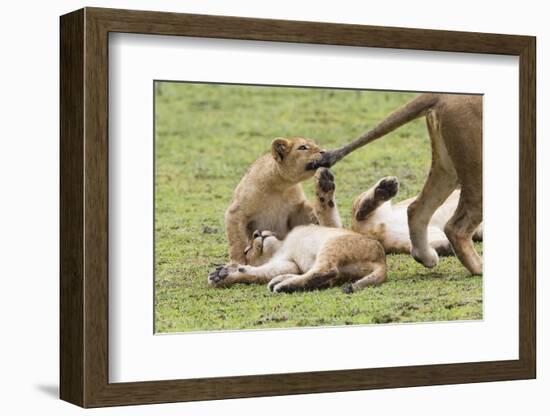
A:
(391, 231)
(305, 254)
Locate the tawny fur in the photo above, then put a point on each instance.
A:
(374, 215)
(455, 128)
(310, 257)
(270, 196)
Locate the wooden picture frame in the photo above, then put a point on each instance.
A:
(84, 207)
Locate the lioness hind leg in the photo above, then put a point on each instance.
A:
(441, 181)
(460, 230)
(478, 233)
(462, 131)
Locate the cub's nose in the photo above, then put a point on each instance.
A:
(256, 234)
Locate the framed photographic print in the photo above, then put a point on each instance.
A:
(255, 207)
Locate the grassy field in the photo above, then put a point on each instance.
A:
(207, 135)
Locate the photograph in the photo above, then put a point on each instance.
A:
(232, 185)
(273, 209)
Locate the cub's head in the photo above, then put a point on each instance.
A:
(261, 247)
(295, 157)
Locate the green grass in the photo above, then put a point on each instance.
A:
(207, 135)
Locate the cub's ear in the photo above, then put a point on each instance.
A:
(280, 148)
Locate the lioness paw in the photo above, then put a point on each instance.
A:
(427, 258)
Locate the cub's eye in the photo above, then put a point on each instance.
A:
(302, 147)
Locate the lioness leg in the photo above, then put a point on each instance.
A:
(464, 144)
(346, 256)
(478, 233)
(461, 228)
(235, 273)
(441, 181)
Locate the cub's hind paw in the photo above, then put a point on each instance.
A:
(387, 188)
(288, 285)
(276, 280)
(348, 288)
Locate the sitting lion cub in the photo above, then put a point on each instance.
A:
(270, 195)
(375, 216)
(310, 257)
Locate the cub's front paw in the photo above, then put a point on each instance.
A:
(220, 276)
(325, 180)
(325, 186)
(216, 277)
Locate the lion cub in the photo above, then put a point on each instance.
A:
(310, 257)
(374, 215)
(270, 196)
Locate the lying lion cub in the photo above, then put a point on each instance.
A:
(374, 216)
(310, 257)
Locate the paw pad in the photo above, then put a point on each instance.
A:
(219, 274)
(347, 288)
(387, 188)
(326, 180)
